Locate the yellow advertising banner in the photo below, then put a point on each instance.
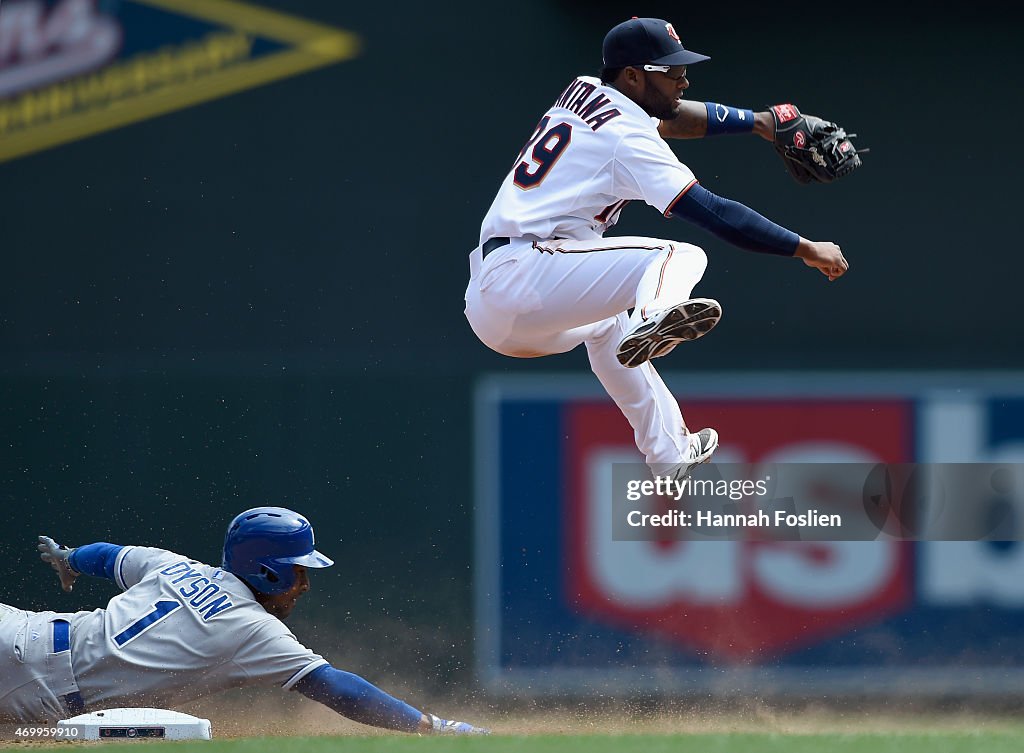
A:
(73, 68)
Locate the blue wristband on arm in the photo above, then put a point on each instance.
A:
(352, 696)
(733, 222)
(723, 119)
(95, 559)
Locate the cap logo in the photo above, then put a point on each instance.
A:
(672, 33)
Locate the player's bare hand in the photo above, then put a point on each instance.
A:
(824, 256)
(57, 556)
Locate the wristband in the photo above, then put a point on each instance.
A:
(723, 119)
(96, 559)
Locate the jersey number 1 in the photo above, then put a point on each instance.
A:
(547, 148)
(160, 611)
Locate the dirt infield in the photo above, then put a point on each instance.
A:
(248, 714)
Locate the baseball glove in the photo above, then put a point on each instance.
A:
(57, 556)
(813, 150)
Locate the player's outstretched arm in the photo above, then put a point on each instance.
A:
(741, 226)
(695, 120)
(92, 559)
(353, 697)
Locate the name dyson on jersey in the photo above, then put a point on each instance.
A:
(579, 98)
(198, 591)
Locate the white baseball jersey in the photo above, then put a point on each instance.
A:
(591, 153)
(180, 630)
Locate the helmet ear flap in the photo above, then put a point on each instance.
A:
(273, 581)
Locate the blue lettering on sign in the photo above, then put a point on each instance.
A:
(197, 590)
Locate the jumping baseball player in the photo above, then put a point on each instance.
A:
(543, 279)
(182, 630)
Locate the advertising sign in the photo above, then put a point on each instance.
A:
(73, 68)
(565, 605)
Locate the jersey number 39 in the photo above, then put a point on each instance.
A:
(548, 146)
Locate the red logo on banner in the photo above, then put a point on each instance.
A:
(737, 601)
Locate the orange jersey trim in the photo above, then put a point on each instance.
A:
(680, 195)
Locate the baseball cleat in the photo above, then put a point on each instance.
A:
(700, 447)
(667, 328)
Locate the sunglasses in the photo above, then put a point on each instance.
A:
(665, 69)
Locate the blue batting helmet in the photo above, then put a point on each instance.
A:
(263, 543)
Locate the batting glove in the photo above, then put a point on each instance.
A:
(445, 727)
(57, 555)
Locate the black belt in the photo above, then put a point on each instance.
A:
(493, 244)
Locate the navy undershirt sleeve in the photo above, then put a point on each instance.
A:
(733, 222)
(352, 696)
(95, 559)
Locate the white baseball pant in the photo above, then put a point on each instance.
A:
(36, 675)
(529, 299)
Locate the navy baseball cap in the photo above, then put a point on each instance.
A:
(646, 40)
